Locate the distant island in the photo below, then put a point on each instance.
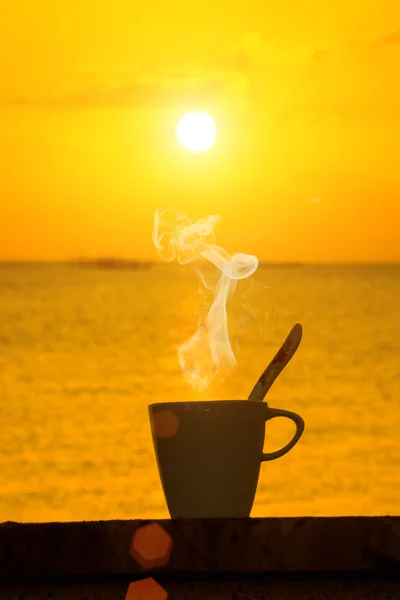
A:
(111, 263)
(114, 263)
(285, 265)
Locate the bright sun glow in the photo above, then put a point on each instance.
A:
(196, 131)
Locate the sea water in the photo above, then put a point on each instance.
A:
(84, 351)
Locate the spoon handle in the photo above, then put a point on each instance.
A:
(278, 363)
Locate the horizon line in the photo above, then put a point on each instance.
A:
(133, 261)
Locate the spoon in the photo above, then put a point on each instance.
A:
(277, 364)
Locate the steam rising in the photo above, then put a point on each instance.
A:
(176, 237)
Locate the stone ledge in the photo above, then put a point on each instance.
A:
(271, 589)
(369, 545)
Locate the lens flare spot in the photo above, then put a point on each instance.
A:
(165, 424)
(151, 546)
(146, 589)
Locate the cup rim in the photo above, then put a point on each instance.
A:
(202, 402)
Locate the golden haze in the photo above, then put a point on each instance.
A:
(305, 97)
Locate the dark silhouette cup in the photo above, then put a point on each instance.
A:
(209, 454)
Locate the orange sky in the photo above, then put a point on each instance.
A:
(307, 105)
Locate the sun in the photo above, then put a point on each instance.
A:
(196, 131)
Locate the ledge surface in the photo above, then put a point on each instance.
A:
(202, 547)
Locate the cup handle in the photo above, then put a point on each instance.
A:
(278, 412)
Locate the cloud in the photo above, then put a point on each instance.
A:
(247, 52)
(152, 89)
(353, 80)
(393, 39)
(229, 78)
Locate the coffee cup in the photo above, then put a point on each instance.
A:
(209, 454)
